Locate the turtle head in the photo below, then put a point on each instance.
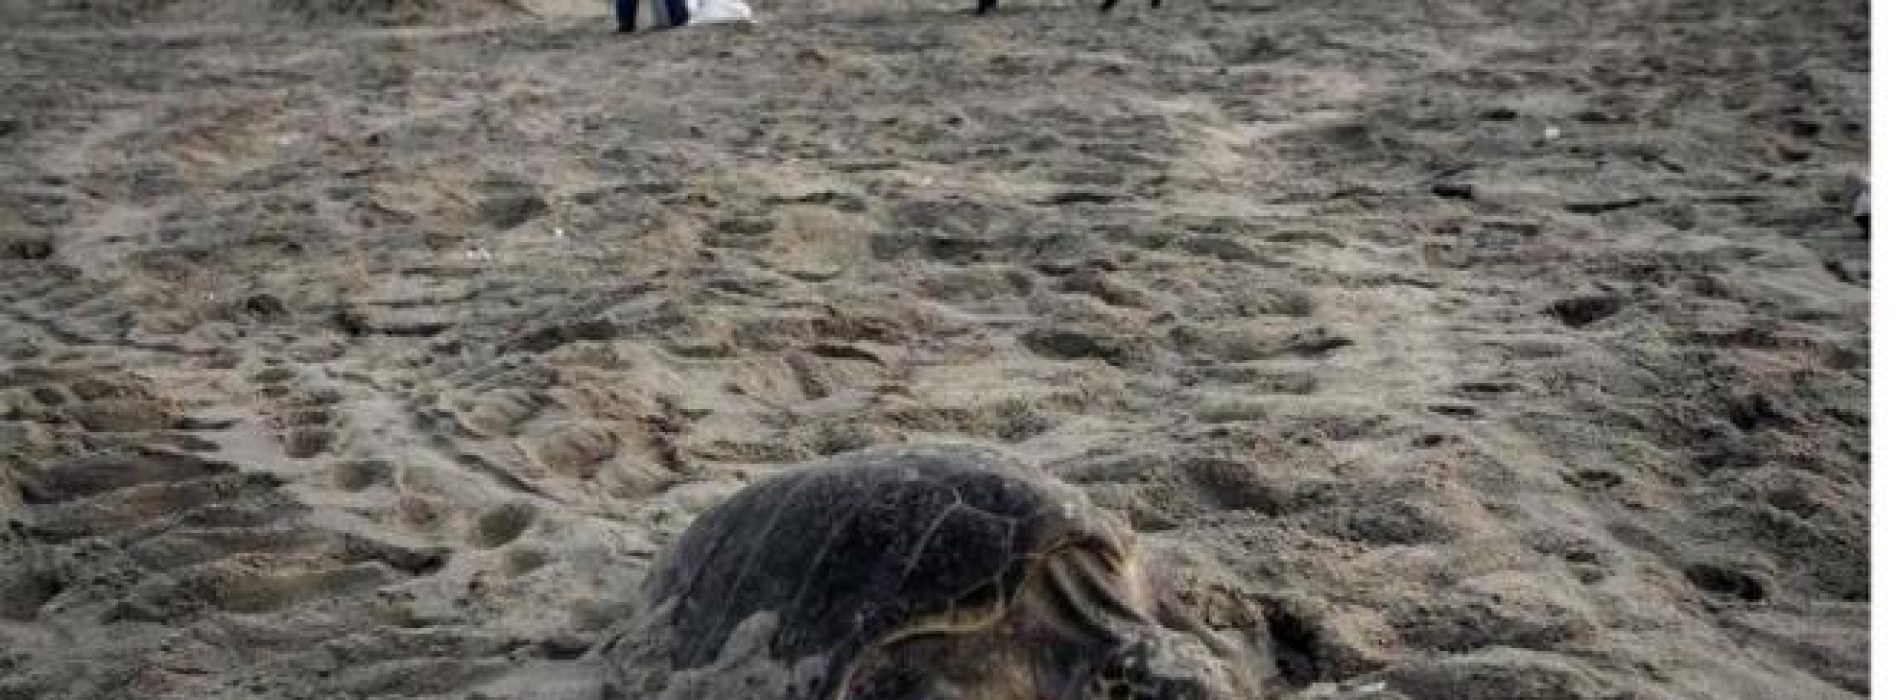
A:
(1161, 665)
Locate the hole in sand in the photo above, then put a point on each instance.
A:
(356, 475)
(1578, 312)
(1295, 646)
(1594, 479)
(307, 442)
(1726, 582)
(21, 597)
(502, 524)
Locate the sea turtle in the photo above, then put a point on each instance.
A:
(910, 574)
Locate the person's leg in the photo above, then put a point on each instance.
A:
(677, 11)
(626, 12)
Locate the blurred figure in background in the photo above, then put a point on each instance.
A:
(666, 13)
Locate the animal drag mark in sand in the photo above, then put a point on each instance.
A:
(920, 573)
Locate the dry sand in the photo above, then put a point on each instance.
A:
(1479, 349)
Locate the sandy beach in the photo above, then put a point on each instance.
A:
(1455, 349)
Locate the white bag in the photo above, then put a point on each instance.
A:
(715, 11)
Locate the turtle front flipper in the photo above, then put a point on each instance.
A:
(1090, 594)
(993, 664)
(1138, 645)
(1147, 668)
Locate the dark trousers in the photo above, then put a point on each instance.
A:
(673, 14)
(624, 12)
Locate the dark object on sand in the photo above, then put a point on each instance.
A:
(913, 573)
(1864, 211)
(26, 248)
(1454, 190)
